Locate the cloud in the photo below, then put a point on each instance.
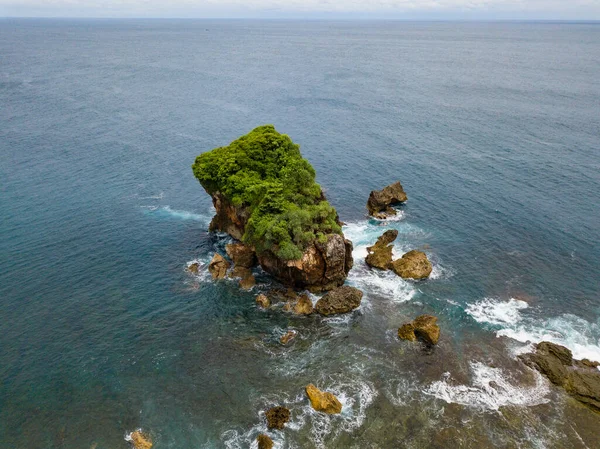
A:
(585, 9)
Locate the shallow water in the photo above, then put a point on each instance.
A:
(493, 131)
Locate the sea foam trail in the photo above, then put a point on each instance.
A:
(490, 390)
(509, 319)
(167, 212)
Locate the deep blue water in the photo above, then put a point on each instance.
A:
(492, 128)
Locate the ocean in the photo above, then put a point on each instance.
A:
(493, 130)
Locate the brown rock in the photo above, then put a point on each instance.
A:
(277, 417)
(323, 401)
(423, 327)
(247, 282)
(263, 301)
(380, 200)
(577, 378)
(264, 441)
(193, 268)
(414, 264)
(140, 440)
(287, 337)
(304, 306)
(340, 300)
(242, 255)
(380, 254)
(218, 266)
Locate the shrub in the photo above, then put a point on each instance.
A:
(265, 172)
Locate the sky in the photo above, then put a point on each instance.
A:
(310, 9)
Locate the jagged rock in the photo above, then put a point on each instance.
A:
(264, 441)
(423, 327)
(577, 377)
(323, 401)
(380, 254)
(414, 264)
(263, 301)
(218, 266)
(380, 201)
(229, 218)
(241, 255)
(247, 282)
(277, 417)
(340, 300)
(193, 268)
(140, 440)
(300, 305)
(288, 336)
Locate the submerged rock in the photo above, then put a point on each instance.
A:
(140, 440)
(380, 254)
(340, 300)
(380, 201)
(412, 265)
(263, 301)
(277, 417)
(323, 401)
(241, 255)
(577, 377)
(264, 441)
(218, 266)
(423, 327)
(288, 336)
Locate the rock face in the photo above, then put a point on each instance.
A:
(277, 417)
(340, 300)
(423, 327)
(242, 255)
(264, 442)
(380, 201)
(218, 266)
(140, 440)
(579, 378)
(229, 218)
(323, 401)
(323, 266)
(380, 254)
(414, 265)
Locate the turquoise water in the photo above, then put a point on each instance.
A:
(493, 130)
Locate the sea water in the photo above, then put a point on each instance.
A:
(493, 130)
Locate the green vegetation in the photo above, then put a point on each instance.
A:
(265, 172)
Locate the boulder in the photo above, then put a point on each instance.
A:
(246, 283)
(577, 377)
(247, 280)
(412, 265)
(323, 401)
(423, 328)
(140, 440)
(263, 301)
(380, 254)
(193, 268)
(241, 255)
(287, 337)
(340, 300)
(380, 201)
(264, 442)
(218, 266)
(300, 305)
(277, 417)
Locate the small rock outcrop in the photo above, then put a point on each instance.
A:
(323, 401)
(241, 255)
(140, 440)
(247, 280)
(380, 201)
(264, 441)
(287, 337)
(263, 301)
(579, 378)
(340, 300)
(218, 266)
(423, 327)
(277, 417)
(380, 254)
(194, 267)
(412, 265)
(300, 305)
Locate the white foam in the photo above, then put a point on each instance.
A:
(580, 336)
(179, 214)
(490, 389)
(494, 311)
